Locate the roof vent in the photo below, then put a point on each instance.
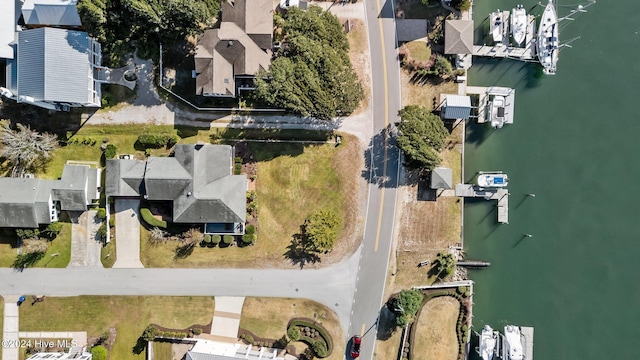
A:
(230, 43)
(145, 196)
(189, 193)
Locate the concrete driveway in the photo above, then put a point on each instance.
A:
(127, 234)
(85, 247)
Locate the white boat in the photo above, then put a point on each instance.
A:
(547, 42)
(519, 24)
(488, 341)
(497, 111)
(493, 180)
(498, 24)
(513, 343)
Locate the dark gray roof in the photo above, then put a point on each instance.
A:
(197, 179)
(441, 178)
(25, 202)
(51, 12)
(456, 107)
(53, 65)
(458, 37)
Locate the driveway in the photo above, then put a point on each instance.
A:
(226, 318)
(127, 234)
(85, 247)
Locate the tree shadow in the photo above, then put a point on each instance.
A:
(299, 254)
(140, 346)
(386, 324)
(26, 260)
(382, 148)
(183, 251)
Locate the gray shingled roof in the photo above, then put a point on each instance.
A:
(197, 179)
(53, 65)
(25, 202)
(51, 12)
(441, 178)
(458, 37)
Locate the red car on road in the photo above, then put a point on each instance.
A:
(355, 346)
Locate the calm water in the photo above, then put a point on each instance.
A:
(574, 143)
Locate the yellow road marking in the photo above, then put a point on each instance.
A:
(386, 123)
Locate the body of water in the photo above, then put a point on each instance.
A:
(574, 144)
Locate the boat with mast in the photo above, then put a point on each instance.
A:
(519, 24)
(547, 42)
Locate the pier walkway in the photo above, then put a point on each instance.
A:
(504, 50)
(500, 194)
(483, 101)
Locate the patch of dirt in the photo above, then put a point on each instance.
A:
(359, 55)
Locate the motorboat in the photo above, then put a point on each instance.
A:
(547, 42)
(519, 24)
(497, 111)
(493, 180)
(488, 341)
(498, 25)
(513, 343)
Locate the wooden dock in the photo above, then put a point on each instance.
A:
(526, 333)
(499, 194)
(505, 50)
(484, 95)
(473, 263)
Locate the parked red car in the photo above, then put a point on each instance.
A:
(355, 346)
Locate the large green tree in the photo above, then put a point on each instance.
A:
(406, 306)
(421, 137)
(320, 231)
(311, 75)
(25, 149)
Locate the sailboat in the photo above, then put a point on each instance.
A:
(548, 43)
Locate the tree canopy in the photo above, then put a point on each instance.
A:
(311, 74)
(320, 231)
(25, 148)
(116, 23)
(421, 137)
(406, 306)
(444, 265)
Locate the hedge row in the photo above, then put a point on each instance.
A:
(152, 221)
(157, 141)
(321, 330)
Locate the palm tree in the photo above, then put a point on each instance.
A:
(445, 263)
(24, 148)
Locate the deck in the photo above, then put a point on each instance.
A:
(505, 50)
(499, 194)
(484, 94)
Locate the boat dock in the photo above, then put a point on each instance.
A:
(500, 194)
(504, 50)
(485, 93)
(473, 264)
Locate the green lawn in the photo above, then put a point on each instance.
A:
(293, 180)
(162, 351)
(129, 315)
(108, 253)
(60, 245)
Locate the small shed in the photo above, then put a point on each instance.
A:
(441, 178)
(456, 107)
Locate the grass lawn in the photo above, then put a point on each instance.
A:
(293, 180)
(108, 254)
(435, 335)
(61, 245)
(418, 50)
(268, 317)
(162, 351)
(427, 95)
(129, 315)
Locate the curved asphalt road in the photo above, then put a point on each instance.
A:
(353, 289)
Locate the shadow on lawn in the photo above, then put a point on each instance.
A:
(300, 254)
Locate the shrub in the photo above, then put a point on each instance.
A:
(249, 339)
(152, 221)
(110, 151)
(28, 233)
(215, 239)
(150, 333)
(99, 353)
(293, 333)
(250, 230)
(317, 327)
(207, 238)
(156, 141)
(102, 213)
(52, 230)
(237, 159)
(248, 239)
(320, 348)
(112, 221)
(237, 169)
(102, 232)
(227, 239)
(197, 331)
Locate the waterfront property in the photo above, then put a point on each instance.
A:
(198, 180)
(495, 193)
(489, 110)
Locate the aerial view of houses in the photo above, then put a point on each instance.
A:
(267, 179)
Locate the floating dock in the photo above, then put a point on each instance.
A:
(500, 194)
(505, 50)
(484, 96)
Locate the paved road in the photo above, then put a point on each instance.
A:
(384, 162)
(336, 291)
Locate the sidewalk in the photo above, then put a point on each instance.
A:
(10, 325)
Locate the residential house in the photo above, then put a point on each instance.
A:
(55, 69)
(197, 180)
(216, 350)
(31, 202)
(76, 353)
(58, 13)
(228, 56)
(8, 26)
